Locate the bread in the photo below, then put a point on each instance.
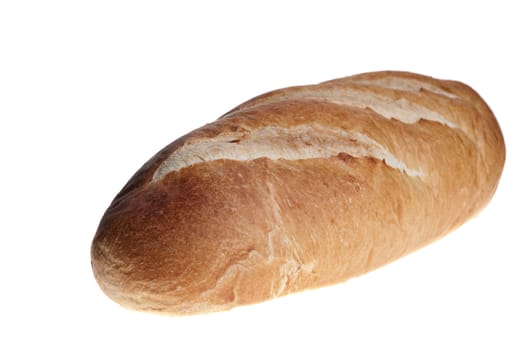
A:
(296, 189)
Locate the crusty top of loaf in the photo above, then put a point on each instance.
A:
(284, 186)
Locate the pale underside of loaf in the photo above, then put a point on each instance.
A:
(296, 189)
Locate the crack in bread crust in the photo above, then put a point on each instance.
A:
(302, 142)
(360, 95)
(404, 84)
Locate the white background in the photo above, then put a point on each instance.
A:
(89, 90)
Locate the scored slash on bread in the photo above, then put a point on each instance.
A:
(296, 189)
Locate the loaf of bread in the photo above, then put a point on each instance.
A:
(296, 189)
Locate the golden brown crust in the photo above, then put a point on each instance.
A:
(223, 232)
